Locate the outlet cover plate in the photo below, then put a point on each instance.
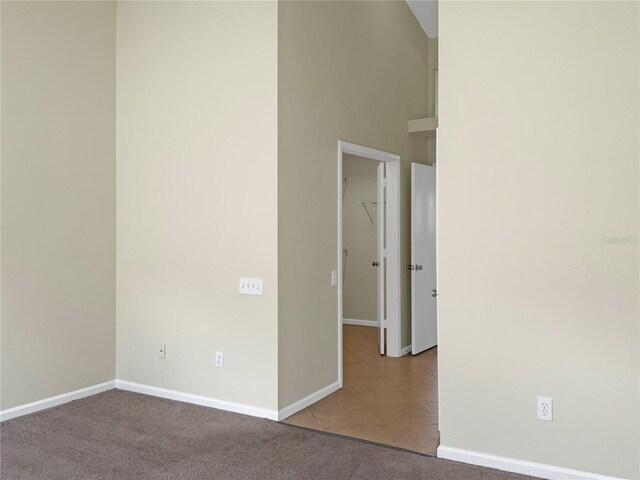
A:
(545, 409)
(219, 359)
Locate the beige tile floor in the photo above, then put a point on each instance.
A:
(393, 401)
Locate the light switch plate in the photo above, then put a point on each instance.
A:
(250, 286)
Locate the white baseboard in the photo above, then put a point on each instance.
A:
(362, 323)
(33, 407)
(197, 399)
(308, 400)
(513, 465)
(405, 350)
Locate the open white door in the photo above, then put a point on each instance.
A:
(424, 309)
(381, 258)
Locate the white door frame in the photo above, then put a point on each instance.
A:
(438, 252)
(392, 243)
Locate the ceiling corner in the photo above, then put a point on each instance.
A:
(426, 12)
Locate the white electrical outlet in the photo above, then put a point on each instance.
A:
(545, 408)
(219, 359)
(162, 351)
(250, 286)
(334, 278)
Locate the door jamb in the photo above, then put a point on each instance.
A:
(392, 244)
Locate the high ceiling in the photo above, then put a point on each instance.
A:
(426, 11)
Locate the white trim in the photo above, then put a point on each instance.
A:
(393, 242)
(362, 323)
(513, 465)
(339, 277)
(405, 350)
(423, 125)
(308, 400)
(366, 152)
(33, 407)
(197, 399)
(437, 167)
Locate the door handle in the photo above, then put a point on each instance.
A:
(374, 264)
(418, 267)
(434, 293)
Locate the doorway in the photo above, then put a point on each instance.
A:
(361, 267)
(387, 400)
(387, 395)
(388, 248)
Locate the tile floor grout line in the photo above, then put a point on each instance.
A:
(316, 418)
(396, 433)
(396, 385)
(410, 360)
(383, 422)
(366, 359)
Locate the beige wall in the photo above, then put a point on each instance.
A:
(354, 71)
(539, 147)
(58, 198)
(359, 287)
(197, 196)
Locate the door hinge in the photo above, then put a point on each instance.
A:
(383, 323)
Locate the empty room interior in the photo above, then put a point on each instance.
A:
(320, 239)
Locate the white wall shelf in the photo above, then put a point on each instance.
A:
(423, 125)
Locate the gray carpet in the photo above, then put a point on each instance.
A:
(122, 435)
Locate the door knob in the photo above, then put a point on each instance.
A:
(374, 264)
(434, 293)
(410, 267)
(418, 267)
